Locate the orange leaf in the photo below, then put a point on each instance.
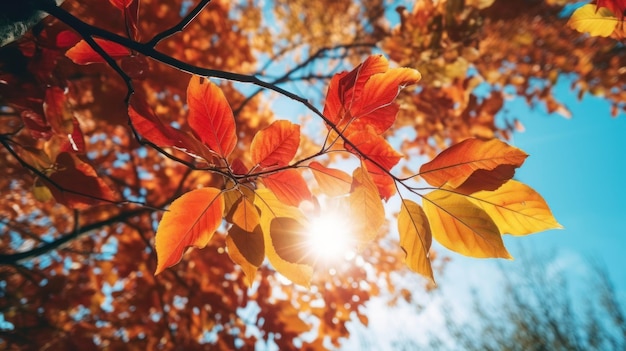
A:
(271, 208)
(210, 116)
(366, 206)
(275, 145)
(57, 111)
(83, 54)
(191, 220)
(516, 209)
(461, 226)
(332, 182)
(289, 186)
(415, 238)
(455, 165)
(81, 186)
(246, 215)
(385, 184)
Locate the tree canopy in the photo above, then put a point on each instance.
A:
(133, 130)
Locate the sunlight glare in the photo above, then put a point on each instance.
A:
(330, 237)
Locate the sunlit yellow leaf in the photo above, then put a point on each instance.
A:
(516, 209)
(271, 208)
(247, 249)
(415, 238)
(366, 206)
(461, 226)
(595, 21)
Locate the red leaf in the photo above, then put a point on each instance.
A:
(121, 4)
(67, 38)
(276, 145)
(210, 116)
(289, 186)
(36, 124)
(75, 141)
(365, 95)
(58, 113)
(191, 220)
(375, 147)
(618, 7)
(83, 54)
(80, 186)
(149, 126)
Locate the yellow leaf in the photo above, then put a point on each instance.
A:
(461, 226)
(270, 208)
(516, 209)
(247, 249)
(366, 206)
(415, 238)
(595, 21)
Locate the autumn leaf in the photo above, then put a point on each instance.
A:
(57, 111)
(271, 208)
(460, 162)
(415, 238)
(83, 54)
(289, 186)
(366, 206)
(210, 116)
(462, 226)
(516, 209)
(78, 184)
(597, 21)
(364, 96)
(376, 153)
(191, 220)
(150, 127)
(246, 215)
(289, 240)
(121, 4)
(618, 7)
(332, 182)
(247, 249)
(275, 145)
(74, 141)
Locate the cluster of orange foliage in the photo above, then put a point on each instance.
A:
(112, 131)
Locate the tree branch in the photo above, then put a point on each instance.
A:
(11, 259)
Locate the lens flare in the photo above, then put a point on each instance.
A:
(330, 237)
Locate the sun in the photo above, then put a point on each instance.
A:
(330, 237)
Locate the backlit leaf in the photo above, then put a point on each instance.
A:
(366, 206)
(247, 249)
(275, 145)
(210, 116)
(595, 21)
(516, 209)
(415, 238)
(191, 220)
(461, 226)
(455, 165)
(332, 182)
(57, 111)
(272, 208)
(289, 240)
(80, 185)
(246, 215)
(121, 4)
(83, 54)
(618, 7)
(289, 186)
